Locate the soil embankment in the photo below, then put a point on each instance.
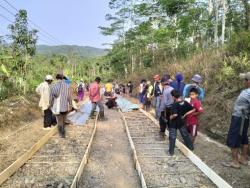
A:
(17, 112)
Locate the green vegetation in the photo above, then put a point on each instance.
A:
(67, 50)
(153, 33)
(210, 38)
(167, 36)
(21, 69)
(155, 36)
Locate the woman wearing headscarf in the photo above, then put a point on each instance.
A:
(178, 83)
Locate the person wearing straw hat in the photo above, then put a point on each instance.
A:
(44, 91)
(238, 132)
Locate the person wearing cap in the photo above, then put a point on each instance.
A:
(178, 83)
(165, 106)
(238, 132)
(60, 102)
(196, 79)
(95, 98)
(44, 91)
(157, 95)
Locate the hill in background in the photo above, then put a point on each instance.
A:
(83, 51)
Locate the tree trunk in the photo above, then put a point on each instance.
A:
(216, 9)
(247, 14)
(132, 63)
(25, 73)
(224, 13)
(125, 69)
(140, 61)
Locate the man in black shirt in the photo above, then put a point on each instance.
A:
(179, 110)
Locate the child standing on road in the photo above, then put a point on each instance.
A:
(192, 119)
(179, 111)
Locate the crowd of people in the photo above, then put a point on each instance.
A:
(59, 98)
(176, 105)
(179, 105)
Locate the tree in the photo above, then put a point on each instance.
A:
(23, 45)
(247, 13)
(156, 30)
(23, 41)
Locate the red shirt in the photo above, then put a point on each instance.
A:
(94, 92)
(191, 118)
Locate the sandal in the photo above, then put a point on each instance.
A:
(243, 162)
(231, 165)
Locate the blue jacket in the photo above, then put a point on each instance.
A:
(179, 86)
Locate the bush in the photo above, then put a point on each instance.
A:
(240, 43)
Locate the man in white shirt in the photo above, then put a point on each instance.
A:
(44, 91)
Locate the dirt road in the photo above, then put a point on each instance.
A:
(110, 164)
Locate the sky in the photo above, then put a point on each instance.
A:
(73, 22)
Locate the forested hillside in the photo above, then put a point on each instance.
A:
(23, 63)
(211, 38)
(67, 50)
(162, 31)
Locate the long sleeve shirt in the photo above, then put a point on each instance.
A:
(166, 99)
(94, 92)
(44, 91)
(62, 89)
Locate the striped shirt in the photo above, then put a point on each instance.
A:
(65, 100)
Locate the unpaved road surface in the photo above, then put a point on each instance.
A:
(110, 164)
(214, 155)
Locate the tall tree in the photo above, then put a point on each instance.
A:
(246, 4)
(23, 45)
(23, 41)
